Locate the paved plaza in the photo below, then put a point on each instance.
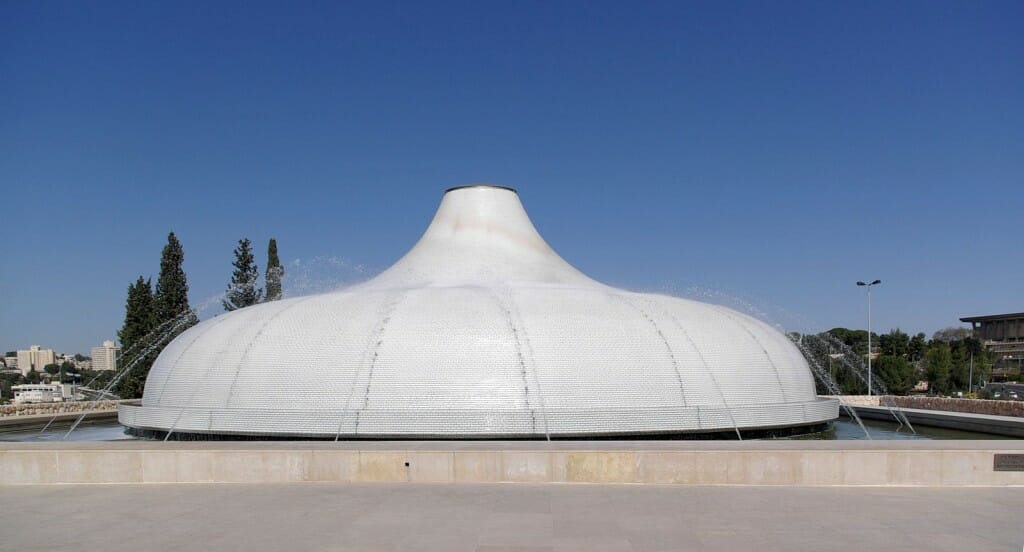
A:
(492, 517)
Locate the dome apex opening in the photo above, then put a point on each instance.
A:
(482, 185)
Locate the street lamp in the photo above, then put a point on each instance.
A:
(876, 282)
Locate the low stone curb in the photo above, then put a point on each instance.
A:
(795, 464)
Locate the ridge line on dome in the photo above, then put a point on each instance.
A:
(170, 369)
(742, 324)
(661, 335)
(707, 367)
(522, 341)
(495, 186)
(248, 349)
(375, 341)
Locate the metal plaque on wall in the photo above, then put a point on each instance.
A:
(1008, 462)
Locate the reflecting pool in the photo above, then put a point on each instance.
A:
(842, 429)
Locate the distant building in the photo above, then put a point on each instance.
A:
(1002, 335)
(35, 358)
(105, 356)
(38, 393)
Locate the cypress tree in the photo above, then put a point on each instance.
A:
(171, 299)
(242, 291)
(135, 335)
(153, 319)
(275, 272)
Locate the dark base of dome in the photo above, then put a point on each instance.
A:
(725, 435)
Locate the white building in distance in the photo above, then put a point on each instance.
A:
(35, 358)
(105, 356)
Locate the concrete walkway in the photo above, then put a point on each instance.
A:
(491, 517)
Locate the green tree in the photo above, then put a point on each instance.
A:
(849, 383)
(275, 272)
(896, 373)
(959, 370)
(857, 340)
(171, 316)
(894, 343)
(99, 378)
(976, 354)
(171, 298)
(70, 372)
(6, 382)
(917, 347)
(952, 333)
(242, 291)
(938, 363)
(52, 369)
(982, 368)
(137, 338)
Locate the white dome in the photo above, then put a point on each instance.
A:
(481, 330)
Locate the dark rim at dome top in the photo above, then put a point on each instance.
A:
(513, 190)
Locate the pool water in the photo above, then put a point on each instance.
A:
(842, 429)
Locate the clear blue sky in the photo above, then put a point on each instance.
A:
(764, 154)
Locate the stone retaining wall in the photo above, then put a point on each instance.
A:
(70, 407)
(970, 406)
(858, 400)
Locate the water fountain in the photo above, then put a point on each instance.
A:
(828, 382)
(132, 357)
(854, 363)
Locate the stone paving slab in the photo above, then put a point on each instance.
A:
(494, 517)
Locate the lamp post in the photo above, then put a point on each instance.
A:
(876, 282)
(970, 378)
